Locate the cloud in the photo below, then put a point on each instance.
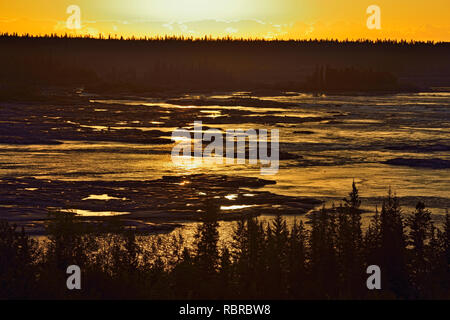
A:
(231, 30)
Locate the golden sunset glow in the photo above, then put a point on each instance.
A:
(270, 19)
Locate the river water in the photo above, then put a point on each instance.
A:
(337, 139)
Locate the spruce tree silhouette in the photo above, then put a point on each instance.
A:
(323, 256)
(446, 240)
(206, 240)
(297, 284)
(420, 233)
(372, 240)
(393, 247)
(250, 255)
(206, 249)
(277, 257)
(18, 254)
(352, 265)
(272, 261)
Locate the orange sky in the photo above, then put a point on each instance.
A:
(298, 19)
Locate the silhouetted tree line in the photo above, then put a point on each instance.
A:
(116, 65)
(326, 78)
(209, 38)
(324, 260)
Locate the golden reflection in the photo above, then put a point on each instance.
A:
(236, 206)
(231, 196)
(104, 197)
(89, 213)
(190, 163)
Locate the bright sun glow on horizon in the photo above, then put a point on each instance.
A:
(182, 10)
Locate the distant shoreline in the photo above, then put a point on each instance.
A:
(165, 65)
(36, 94)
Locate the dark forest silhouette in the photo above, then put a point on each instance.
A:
(327, 260)
(150, 65)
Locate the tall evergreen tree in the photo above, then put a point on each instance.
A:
(350, 244)
(393, 247)
(206, 240)
(277, 256)
(297, 284)
(322, 255)
(420, 233)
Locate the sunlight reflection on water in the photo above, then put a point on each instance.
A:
(363, 132)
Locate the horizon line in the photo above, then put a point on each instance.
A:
(209, 38)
